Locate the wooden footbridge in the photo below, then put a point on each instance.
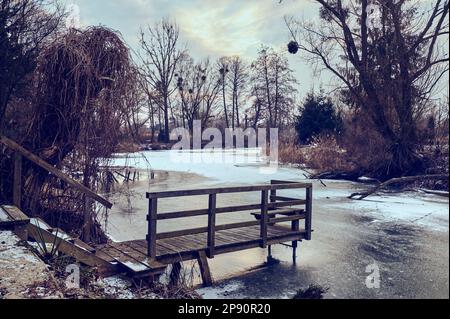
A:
(152, 255)
(275, 219)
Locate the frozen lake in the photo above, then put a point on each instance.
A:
(405, 236)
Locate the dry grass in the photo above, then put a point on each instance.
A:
(325, 154)
(291, 153)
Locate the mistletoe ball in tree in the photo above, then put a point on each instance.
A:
(293, 47)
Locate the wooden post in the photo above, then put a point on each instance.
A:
(211, 224)
(264, 218)
(151, 234)
(87, 219)
(273, 195)
(308, 220)
(204, 268)
(295, 226)
(17, 187)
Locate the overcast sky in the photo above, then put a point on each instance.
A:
(209, 28)
(214, 28)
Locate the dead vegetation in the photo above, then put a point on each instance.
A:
(312, 292)
(81, 82)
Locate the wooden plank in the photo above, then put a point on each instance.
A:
(285, 199)
(225, 190)
(183, 232)
(83, 245)
(133, 265)
(200, 212)
(82, 255)
(40, 162)
(242, 234)
(168, 248)
(283, 212)
(204, 269)
(152, 220)
(186, 244)
(16, 214)
(225, 210)
(237, 247)
(100, 254)
(277, 181)
(229, 209)
(294, 218)
(17, 181)
(237, 225)
(4, 217)
(138, 255)
(200, 230)
(211, 224)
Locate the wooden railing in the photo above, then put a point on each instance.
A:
(20, 152)
(267, 205)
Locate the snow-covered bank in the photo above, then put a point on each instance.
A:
(21, 270)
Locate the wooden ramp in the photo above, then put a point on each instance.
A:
(152, 255)
(12, 218)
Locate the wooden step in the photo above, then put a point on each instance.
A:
(133, 261)
(13, 216)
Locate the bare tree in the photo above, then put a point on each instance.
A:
(274, 88)
(223, 68)
(160, 58)
(238, 75)
(198, 87)
(390, 55)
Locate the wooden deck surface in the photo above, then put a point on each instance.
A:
(133, 254)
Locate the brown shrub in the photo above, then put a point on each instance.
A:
(326, 155)
(291, 153)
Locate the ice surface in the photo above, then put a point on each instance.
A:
(244, 166)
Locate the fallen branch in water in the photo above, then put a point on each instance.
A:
(438, 193)
(406, 179)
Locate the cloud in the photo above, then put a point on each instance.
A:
(209, 28)
(234, 27)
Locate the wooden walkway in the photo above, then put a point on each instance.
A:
(275, 220)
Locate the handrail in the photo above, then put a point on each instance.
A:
(265, 207)
(225, 190)
(51, 169)
(228, 209)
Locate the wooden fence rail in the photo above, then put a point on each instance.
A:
(268, 209)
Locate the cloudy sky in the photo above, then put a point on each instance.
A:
(214, 28)
(208, 28)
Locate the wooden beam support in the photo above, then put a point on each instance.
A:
(204, 269)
